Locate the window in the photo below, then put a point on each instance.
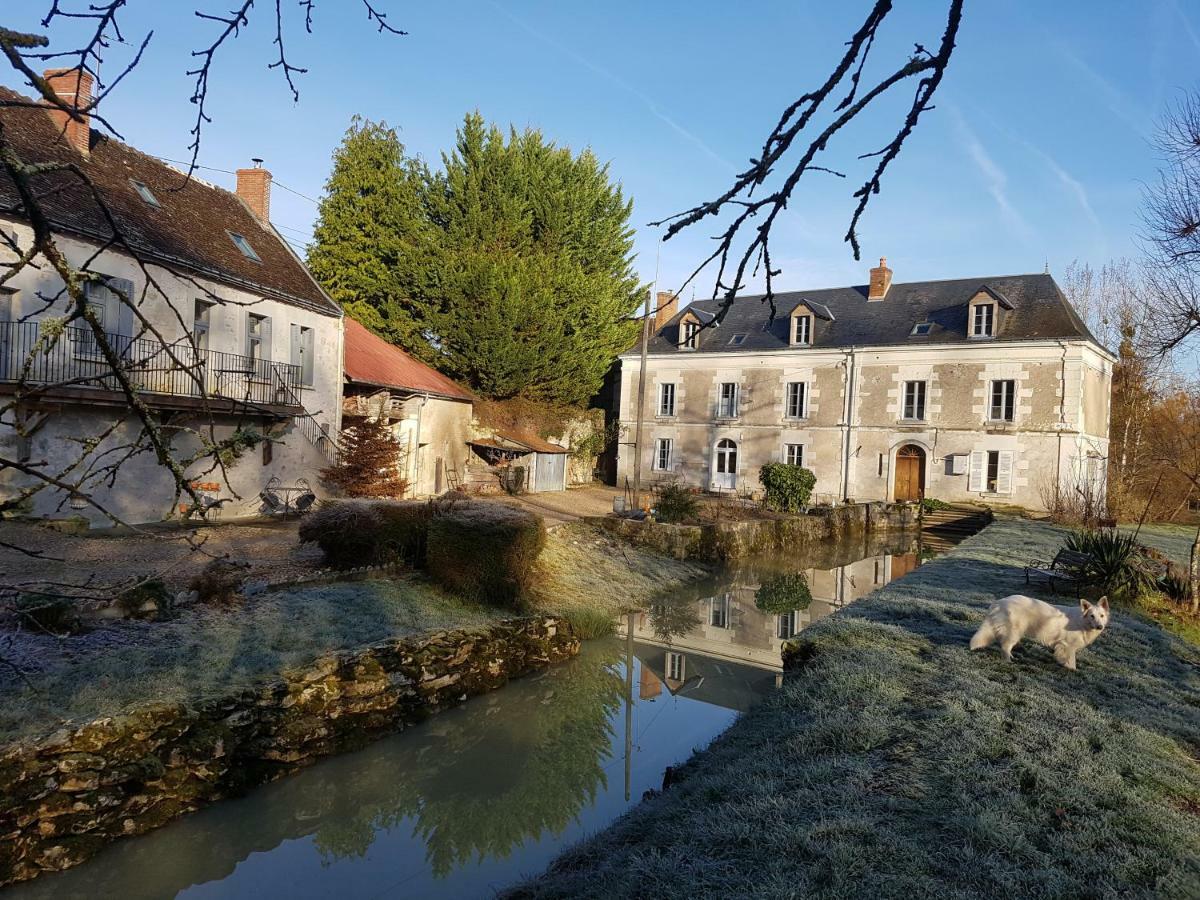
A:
(787, 624)
(797, 400)
(691, 335)
(1002, 407)
(727, 402)
(258, 337)
(674, 666)
(662, 455)
(718, 611)
(914, 401)
(922, 328)
(736, 340)
(983, 320)
(793, 454)
(991, 472)
(303, 352)
(102, 302)
(145, 193)
(802, 330)
(666, 399)
(244, 245)
(201, 322)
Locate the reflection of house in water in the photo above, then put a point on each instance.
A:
(721, 623)
(685, 673)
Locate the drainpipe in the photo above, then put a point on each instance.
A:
(847, 410)
(417, 449)
(1062, 417)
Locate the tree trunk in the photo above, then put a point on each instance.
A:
(1194, 573)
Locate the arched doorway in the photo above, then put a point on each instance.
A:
(725, 464)
(910, 473)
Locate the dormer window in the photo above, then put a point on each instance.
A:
(691, 335)
(145, 193)
(802, 331)
(983, 320)
(244, 246)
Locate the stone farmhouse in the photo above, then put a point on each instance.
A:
(987, 389)
(238, 333)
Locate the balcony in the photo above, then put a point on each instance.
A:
(66, 364)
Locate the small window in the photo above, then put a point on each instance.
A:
(666, 399)
(691, 335)
(983, 322)
(662, 455)
(802, 331)
(202, 323)
(922, 328)
(145, 193)
(244, 245)
(258, 338)
(914, 401)
(727, 401)
(793, 454)
(797, 400)
(736, 340)
(718, 611)
(1002, 407)
(788, 624)
(993, 470)
(674, 666)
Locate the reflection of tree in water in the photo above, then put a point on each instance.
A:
(481, 783)
(783, 593)
(673, 616)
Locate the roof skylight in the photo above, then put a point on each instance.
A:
(144, 192)
(736, 340)
(244, 245)
(922, 328)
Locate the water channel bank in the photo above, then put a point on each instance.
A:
(69, 795)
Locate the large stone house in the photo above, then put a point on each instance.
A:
(238, 334)
(987, 389)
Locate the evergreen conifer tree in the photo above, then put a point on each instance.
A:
(369, 463)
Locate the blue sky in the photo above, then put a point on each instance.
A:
(1035, 154)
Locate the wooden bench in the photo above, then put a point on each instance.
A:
(1067, 565)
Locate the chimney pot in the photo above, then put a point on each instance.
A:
(881, 280)
(666, 305)
(254, 187)
(73, 87)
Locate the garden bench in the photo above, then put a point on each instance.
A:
(1067, 565)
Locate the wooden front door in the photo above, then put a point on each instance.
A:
(910, 473)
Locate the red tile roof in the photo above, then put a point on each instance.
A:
(188, 229)
(372, 360)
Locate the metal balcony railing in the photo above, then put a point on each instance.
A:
(71, 358)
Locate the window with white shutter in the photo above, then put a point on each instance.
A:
(975, 478)
(1004, 472)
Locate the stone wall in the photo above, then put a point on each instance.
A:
(735, 540)
(68, 795)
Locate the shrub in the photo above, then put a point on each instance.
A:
(590, 622)
(218, 582)
(486, 552)
(47, 613)
(675, 502)
(930, 504)
(368, 465)
(150, 598)
(353, 533)
(1176, 586)
(788, 487)
(1117, 563)
(783, 594)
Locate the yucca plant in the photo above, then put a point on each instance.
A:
(1117, 564)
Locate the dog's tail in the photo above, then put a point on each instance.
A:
(984, 636)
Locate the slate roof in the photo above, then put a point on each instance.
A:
(371, 360)
(190, 227)
(1036, 310)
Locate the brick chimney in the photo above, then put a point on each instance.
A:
(254, 187)
(881, 280)
(74, 89)
(666, 305)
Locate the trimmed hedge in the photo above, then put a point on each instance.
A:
(788, 487)
(486, 552)
(783, 594)
(354, 533)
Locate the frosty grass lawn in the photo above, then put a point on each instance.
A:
(893, 762)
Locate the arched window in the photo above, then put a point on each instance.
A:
(726, 457)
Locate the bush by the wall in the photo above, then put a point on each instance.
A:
(788, 487)
(353, 533)
(675, 502)
(485, 552)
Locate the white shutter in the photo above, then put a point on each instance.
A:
(975, 479)
(1004, 471)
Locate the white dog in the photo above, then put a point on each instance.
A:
(1064, 629)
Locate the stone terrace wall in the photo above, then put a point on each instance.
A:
(734, 540)
(67, 796)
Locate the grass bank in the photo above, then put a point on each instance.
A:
(216, 650)
(894, 762)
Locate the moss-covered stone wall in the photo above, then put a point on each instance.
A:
(69, 794)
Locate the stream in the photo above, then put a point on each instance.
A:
(479, 797)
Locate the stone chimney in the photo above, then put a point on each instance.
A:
(74, 89)
(881, 280)
(254, 187)
(666, 305)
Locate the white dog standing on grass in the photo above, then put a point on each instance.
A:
(1064, 629)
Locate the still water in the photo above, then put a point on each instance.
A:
(479, 797)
